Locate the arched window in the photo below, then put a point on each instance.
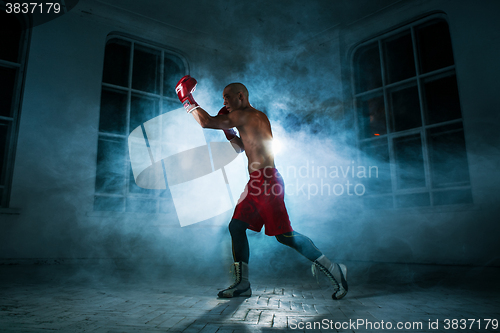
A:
(138, 84)
(14, 40)
(409, 120)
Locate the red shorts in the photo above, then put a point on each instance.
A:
(262, 202)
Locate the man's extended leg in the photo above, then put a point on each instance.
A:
(301, 243)
(241, 255)
(337, 273)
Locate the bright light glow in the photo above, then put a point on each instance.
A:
(276, 146)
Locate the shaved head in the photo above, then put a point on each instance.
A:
(238, 87)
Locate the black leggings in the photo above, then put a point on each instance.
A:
(241, 250)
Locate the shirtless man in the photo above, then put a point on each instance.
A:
(262, 202)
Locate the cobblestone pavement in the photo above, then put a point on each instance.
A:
(45, 302)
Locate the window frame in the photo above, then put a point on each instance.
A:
(130, 92)
(16, 107)
(418, 80)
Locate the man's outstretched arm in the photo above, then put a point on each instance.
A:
(224, 121)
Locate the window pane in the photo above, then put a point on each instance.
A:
(146, 70)
(142, 109)
(434, 45)
(170, 105)
(166, 193)
(133, 188)
(452, 197)
(405, 109)
(376, 160)
(113, 117)
(113, 204)
(399, 60)
(413, 200)
(4, 131)
(167, 206)
(172, 73)
(442, 100)
(367, 67)
(10, 37)
(110, 166)
(116, 62)
(448, 156)
(409, 161)
(378, 202)
(141, 205)
(371, 117)
(7, 83)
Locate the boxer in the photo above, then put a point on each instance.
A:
(262, 202)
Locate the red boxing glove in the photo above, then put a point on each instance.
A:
(230, 133)
(184, 89)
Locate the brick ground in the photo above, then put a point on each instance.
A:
(35, 299)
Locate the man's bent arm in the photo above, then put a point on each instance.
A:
(219, 122)
(237, 144)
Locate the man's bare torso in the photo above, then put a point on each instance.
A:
(257, 139)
